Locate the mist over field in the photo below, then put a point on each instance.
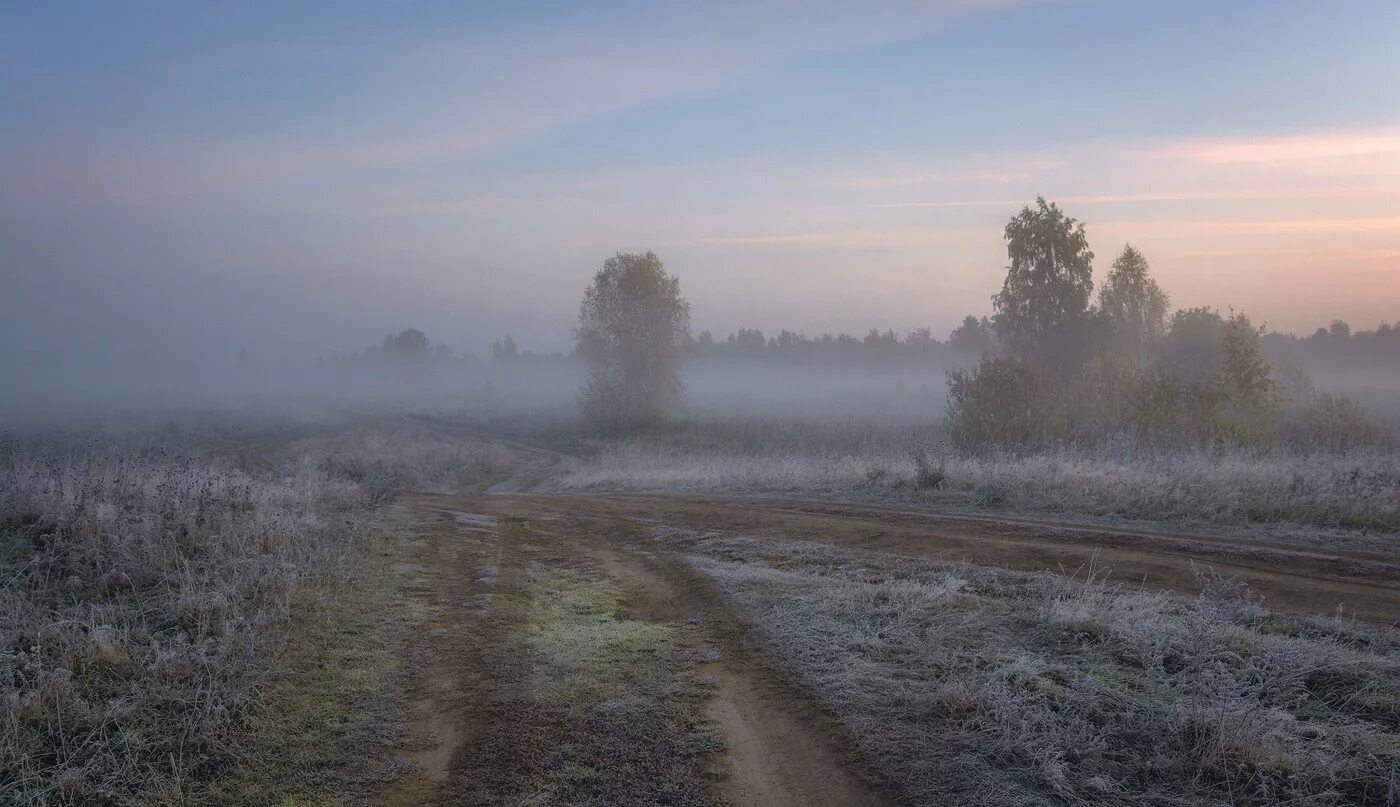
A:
(758, 403)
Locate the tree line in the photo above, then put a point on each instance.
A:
(1056, 363)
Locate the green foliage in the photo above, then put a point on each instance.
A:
(1336, 423)
(1003, 403)
(633, 326)
(1044, 302)
(1192, 346)
(1252, 404)
(1159, 410)
(1102, 398)
(1202, 381)
(1133, 304)
(973, 338)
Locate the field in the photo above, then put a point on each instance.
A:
(407, 609)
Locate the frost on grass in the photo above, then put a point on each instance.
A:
(610, 705)
(148, 598)
(407, 454)
(1356, 492)
(144, 596)
(968, 685)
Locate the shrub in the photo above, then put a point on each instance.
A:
(1336, 423)
(1003, 403)
(927, 474)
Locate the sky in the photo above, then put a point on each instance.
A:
(300, 178)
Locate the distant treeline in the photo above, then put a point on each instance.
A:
(970, 340)
(412, 348)
(1339, 344)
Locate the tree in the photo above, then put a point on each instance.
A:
(973, 337)
(504, 352)
(1134, 305)
(1003, 403)
(1192, 347)
(749, 342)
(1247, 383)
(1043, 305)
(632, 327)
(408, 345)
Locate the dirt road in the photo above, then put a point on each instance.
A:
(478, 738)
(1290, 578)
(482, 550)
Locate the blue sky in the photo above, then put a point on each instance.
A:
(317, 174)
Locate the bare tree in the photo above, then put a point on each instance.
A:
(632, 328)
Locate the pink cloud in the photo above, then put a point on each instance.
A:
(1309, 146)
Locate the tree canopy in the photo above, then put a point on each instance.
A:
(1043, 305)
(632, 328)
(1133, 304)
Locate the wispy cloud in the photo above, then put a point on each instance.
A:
(983, 177)
(1147, 198)
(1325, 145)
(437, 96)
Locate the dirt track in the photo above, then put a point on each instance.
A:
(1290, 578)
(780, 750)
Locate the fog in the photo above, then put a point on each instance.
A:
(881, 393)
(199, 207)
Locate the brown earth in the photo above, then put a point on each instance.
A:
(1290, 577)
(469, 745)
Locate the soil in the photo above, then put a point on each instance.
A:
(467, 746)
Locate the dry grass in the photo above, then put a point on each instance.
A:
(386, 455)
(1342, 492)
(968, 685)
(152, 605)
(144, 598)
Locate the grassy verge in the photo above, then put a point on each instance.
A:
(591, 708)
(195, 629)
(323, 732)
(1298, 493)
(974, 685)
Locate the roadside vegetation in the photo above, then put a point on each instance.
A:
(618, 697)
(1077, 402)
(1304, 493)
(156, 603)
(964, 684)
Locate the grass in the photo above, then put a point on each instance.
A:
(596, 708)
(138, 626)
(197, 627)
(962, 684)
(323, 731)
(385, 455)
(1346, 493)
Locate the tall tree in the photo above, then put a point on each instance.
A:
(972, 338)
(1043, 306)
(1132, 302)
(1193, 345)
(1246, 380)
(632, 328)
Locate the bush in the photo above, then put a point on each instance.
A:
(1003, 403)
(1336, 423)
